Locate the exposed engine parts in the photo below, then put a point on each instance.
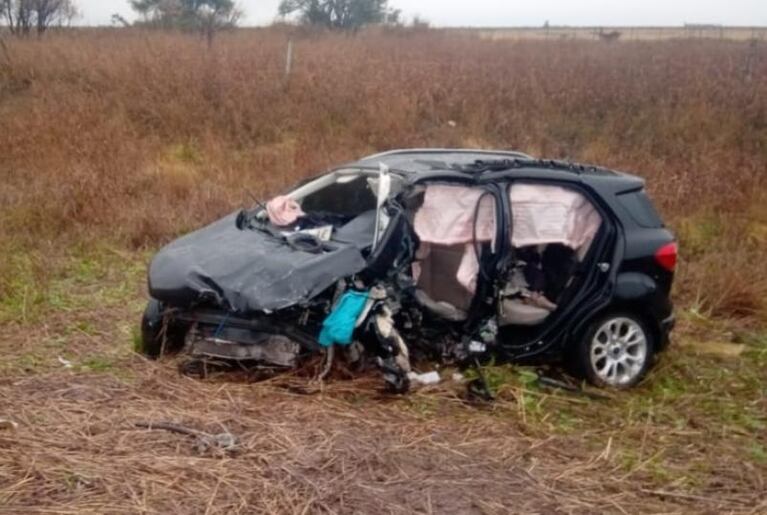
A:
(242, 345)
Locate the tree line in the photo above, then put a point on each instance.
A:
(24, 17)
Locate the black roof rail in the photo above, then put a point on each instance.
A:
(500, 165)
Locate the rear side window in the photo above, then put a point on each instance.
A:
(640, 208)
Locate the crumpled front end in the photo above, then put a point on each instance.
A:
(245, 271)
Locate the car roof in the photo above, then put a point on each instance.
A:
(433, 161)
(430, 159)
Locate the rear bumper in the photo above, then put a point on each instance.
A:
(666, 326)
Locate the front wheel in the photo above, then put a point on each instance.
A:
(616, 351)
(158, 335)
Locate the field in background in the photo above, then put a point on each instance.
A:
(713, 32)
(130, 138)
(113, 142)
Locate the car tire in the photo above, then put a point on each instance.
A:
(157, 338)
(616, 351)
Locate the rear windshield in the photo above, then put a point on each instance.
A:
(640, 208)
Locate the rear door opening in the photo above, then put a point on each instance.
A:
(559, 263)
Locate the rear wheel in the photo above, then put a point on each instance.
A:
(616, 351)
(159, 336)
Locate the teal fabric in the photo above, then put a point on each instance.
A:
(339, 324)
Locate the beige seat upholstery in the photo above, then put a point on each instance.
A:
(439, 288)
(441, 309)
(517, 312)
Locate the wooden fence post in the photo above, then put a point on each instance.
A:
(289, 58)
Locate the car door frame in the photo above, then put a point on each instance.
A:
(480, 309)
(598, 280)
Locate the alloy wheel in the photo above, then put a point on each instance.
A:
(619, 351)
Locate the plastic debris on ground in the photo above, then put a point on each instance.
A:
(427, 378)
(65, 362)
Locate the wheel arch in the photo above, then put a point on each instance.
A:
(634, 307)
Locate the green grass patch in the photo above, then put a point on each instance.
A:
(758, 453)
(98, 364)
(35, 285)
(137, 341)
(185, 153)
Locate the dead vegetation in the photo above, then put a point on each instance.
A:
(112, 142)
(137, 136)
(691, 439)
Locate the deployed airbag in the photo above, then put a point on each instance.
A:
(541, 214)
(545, 214)
(283, 211)
(447, 215)
(446, 220)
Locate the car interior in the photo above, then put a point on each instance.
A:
(338, 207)
(552, 230)
(452, 243)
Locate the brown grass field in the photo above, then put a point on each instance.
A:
(113, 142)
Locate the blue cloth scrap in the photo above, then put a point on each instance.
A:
(339, 324)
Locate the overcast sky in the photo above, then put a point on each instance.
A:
(513, 13)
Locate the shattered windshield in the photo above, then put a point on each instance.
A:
(349, 195)
(339, 206)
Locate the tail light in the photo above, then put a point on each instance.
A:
(666, 256)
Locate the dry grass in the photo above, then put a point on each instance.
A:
(137, 136)
(112, 142)
(327, 453)
(692, 439)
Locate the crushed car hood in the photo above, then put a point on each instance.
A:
(245, 270)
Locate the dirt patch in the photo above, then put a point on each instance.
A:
(77, 449)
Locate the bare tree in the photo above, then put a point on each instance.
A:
(16, 15)
(214, 15)
(205, 16)
(119, 19)
(341, 14)
(69, 12)
(24, 16)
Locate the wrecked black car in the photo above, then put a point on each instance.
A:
(458, 256)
